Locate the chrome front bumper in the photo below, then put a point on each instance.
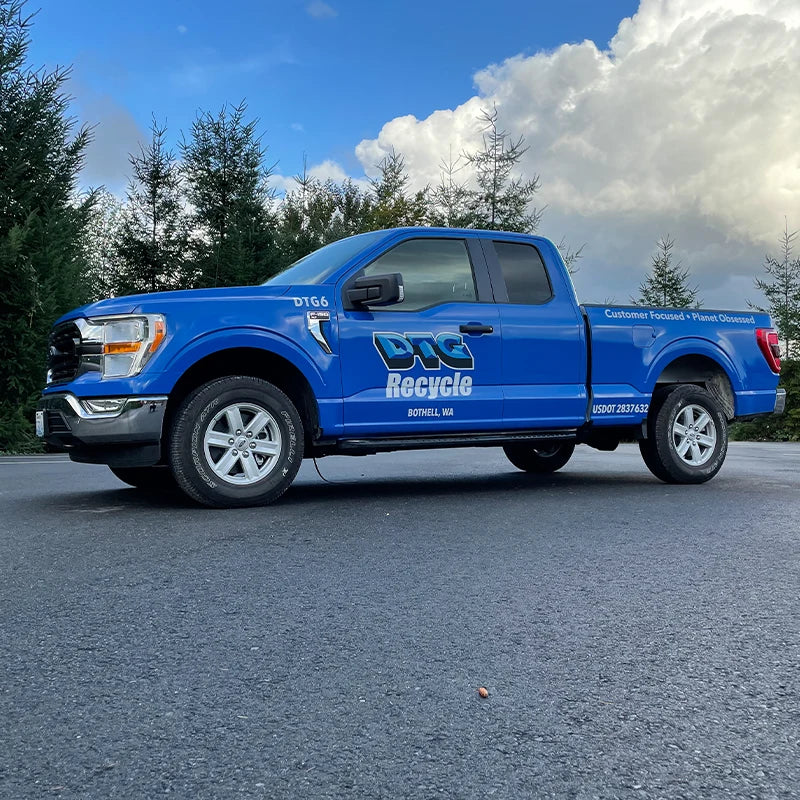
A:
(68, 421)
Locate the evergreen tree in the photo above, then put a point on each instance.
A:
(223, 163)
(569, 256)
(781, 289)
(501, 202)
(296, 237)
(153, 237)
(355, 211)
(41, 221)
(393, 206)
(318, 213)
(666, 285)
(450, 200)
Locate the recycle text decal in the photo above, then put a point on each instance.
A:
(401, 351)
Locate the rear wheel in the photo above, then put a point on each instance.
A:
(157, 478)
(236, 441)
(647, 447)
(541, 458)
(687, 437)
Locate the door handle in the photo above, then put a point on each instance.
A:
(475, 327)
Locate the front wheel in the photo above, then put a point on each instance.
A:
(541, 458)
(236, 441)
(687, 437)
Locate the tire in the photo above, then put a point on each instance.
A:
(154, 478)
(236, 441)
(687, 437)
(647, 447)
(541, 458)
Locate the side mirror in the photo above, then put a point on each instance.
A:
(376, 290)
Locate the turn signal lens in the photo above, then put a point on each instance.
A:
(160, 331)
(121, 347)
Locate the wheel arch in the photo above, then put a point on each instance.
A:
(704, 366)
(253, 362)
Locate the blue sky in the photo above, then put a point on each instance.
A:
(644, 118)
(320, 76)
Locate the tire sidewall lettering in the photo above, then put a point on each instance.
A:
(197, 448)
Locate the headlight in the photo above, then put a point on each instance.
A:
(126, 342)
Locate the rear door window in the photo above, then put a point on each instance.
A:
(524, 273)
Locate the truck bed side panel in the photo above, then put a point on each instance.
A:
(632, 346)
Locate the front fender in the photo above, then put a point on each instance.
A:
(320, 372)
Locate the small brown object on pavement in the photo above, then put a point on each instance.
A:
(483, 691)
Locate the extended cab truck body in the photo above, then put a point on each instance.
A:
(397, 339)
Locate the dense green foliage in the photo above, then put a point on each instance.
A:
(777, 427)
(41, 222)
(781, 288)
(227, 187)
(152, 241)
(318, 213)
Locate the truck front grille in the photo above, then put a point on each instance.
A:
(63, 355)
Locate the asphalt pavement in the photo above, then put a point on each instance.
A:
(637, 640)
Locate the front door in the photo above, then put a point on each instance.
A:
(431, 362)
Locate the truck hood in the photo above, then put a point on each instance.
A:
(159, 301)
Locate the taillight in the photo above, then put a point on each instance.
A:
(767, 339)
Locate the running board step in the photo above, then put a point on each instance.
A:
(493, 439)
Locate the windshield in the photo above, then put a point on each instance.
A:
(317, 266)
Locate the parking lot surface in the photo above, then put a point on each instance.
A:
(636, 639)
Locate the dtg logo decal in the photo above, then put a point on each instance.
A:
(400, 351)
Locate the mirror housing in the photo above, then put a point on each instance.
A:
(376, 290)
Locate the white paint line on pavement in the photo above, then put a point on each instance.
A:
(9, 463)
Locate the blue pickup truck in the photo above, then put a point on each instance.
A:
(397, 339)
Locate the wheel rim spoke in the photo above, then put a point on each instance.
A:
(264, 447)
(701, 423)
(218, 439)
(250, 468)
(258, 423)
(694, 435)
(234, 417)
(236, 430)
(224, 466)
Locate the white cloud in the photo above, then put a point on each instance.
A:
(687, 124)
(320, 10)
(182, 29)
(326, 170)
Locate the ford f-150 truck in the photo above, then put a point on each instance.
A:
(391, 340)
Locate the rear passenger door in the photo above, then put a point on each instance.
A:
(430, 362)
(544, 350)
